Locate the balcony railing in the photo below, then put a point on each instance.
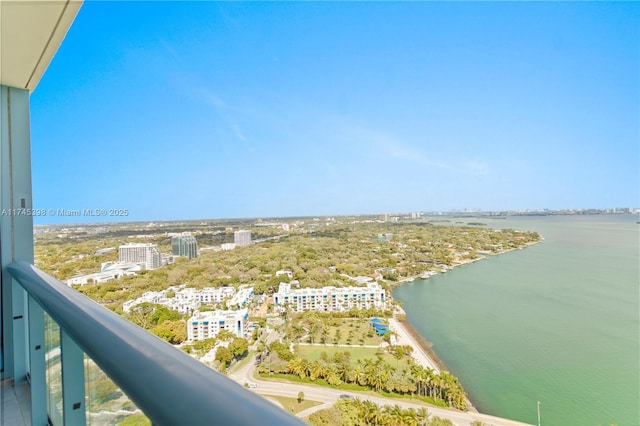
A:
(169, 386)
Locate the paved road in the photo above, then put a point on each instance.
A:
(329, 396)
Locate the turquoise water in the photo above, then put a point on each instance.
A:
(557, 322)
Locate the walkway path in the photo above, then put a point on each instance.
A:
(339, 346)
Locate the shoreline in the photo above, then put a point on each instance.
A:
(421, 346)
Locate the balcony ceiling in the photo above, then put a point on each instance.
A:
(30, 33)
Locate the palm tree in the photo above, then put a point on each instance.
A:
(333, 377)
(359, 374)
(370, 412)
(306, 368)
(393, 383)
(317, 370)
(295, 367)
(409, 417)
(429, 382)
(261, 346)
(376, 375)
(324, 335)
(344, 369)
(394, 414)
(312, 331)
(298, 331)
(377, 415)
(387, 371)
(423, 416)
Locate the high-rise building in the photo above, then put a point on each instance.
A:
(185, 246)
(146, 254)
(242, 238)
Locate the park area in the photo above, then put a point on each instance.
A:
(314, 328)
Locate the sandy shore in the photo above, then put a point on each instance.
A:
(422, 354)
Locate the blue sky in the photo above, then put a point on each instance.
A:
(181, 110)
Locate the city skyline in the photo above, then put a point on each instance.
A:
(221, 110)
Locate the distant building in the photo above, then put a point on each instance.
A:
(184, 246)
(145, 254)
(284, 272)
(109, 271)
(97, 278)
(105, 251)
(242, 238)
(330, 299)
(204, 325)
(241, 298)
(385, 237)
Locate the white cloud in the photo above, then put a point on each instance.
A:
(396, 149)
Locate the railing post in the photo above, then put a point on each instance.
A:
(37, 351)
(73, 389)
(168, 385)
(16, 229)
(18, 326)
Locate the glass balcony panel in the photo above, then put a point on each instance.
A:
(53, 370)
(107, 404)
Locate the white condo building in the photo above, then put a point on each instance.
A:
(110, 271)
(330, 299)
(242, 238)
(146, 254)
(187, 300)
(204, 325)
(241, 298)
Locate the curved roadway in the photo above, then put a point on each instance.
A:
(328, 397)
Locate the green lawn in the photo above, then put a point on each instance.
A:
(291, 404)
(312, 353)
(359, 327)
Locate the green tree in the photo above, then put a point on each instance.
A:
(174, 332)
(295, 367)
(136, 420)
(238, 347)
(224, 355)
(104, 390)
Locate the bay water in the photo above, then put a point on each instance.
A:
(557, 322)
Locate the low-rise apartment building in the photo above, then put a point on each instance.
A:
(330, 299)
(204, 325)
(241, 298)
(186, 300)
(109, 271)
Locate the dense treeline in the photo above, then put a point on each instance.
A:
(356, 412)
(319, 256)
(375, 374)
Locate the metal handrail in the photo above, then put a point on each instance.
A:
(169, 386)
